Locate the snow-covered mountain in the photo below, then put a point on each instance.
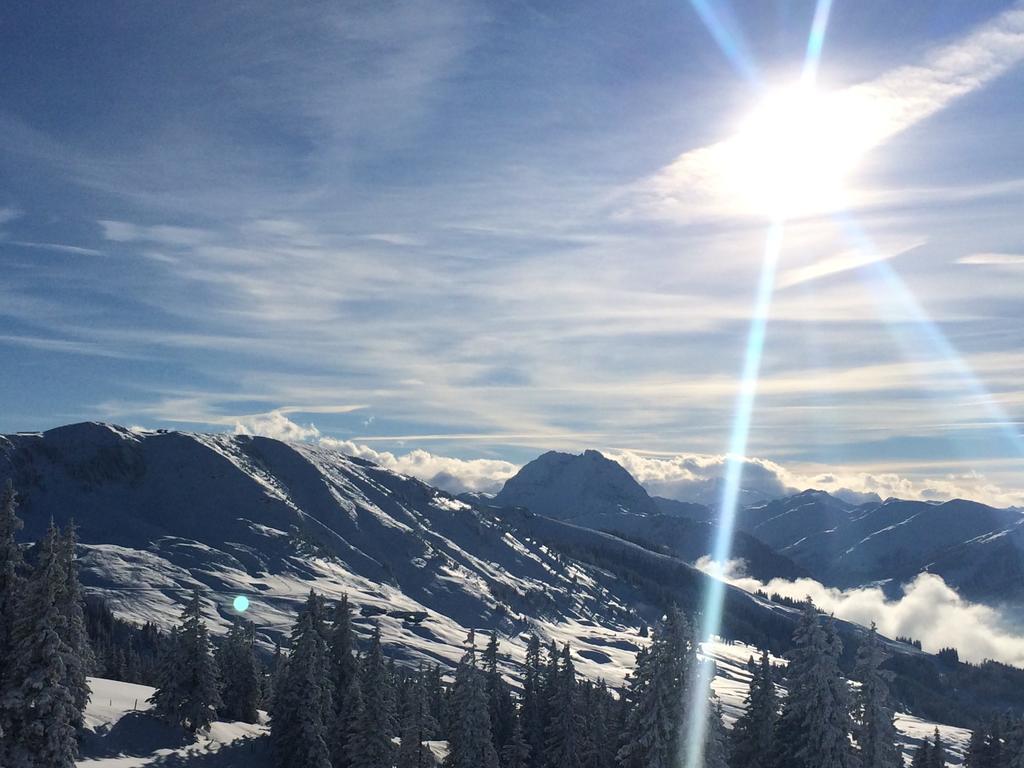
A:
(974, 547)
(596, 492)
(576, 488)
(161, 513)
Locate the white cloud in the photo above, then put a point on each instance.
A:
(697, 477)
(929, 610)
(445, 472)
(165, 234)
(993, 259)
(62, 247)
(276, 425)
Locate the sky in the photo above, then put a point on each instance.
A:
(450, 235)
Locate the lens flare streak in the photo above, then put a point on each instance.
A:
(692, 745)
(714, 599)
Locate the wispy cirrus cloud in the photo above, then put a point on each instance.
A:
(993, 259)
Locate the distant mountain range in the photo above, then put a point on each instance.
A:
(596, 492)
(974, 547)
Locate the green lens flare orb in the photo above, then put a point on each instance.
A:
(241, 603)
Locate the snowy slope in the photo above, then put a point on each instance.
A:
(120, 733)
(163, 513)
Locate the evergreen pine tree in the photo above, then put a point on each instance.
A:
(563, 730)
(418, 726)
(922, 756)
(240, 674)
(994, 745)
(469, 739)
(874, 729)
(753, 735)
(302, 708)
(716, 745)
(937, 755)
(438, 700)
(658, 692)
(370, 744)
(78, 656)
(10, 589)
(346, 726)
(516, 752)
(598, 743)
(41, 707)
(347, 695)
(533, 707)
(500, 706)
(342, 649)
(167, 697)
(976, 750)
(194, 696)
(814, 729)
(1015, 747)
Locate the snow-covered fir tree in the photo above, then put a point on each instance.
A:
(937, 756)
(994, 756)
(469, 739)
(500, 706)
(976, 750)
(240, 674)
(417, 725)
(370, 744)
(188, 694)
(657, 694)
(302, 708)
(533, 708)
(39, 703)
(10, 589)
(753, 734)
(516, 752)
(599, 735)
(344, 672)
(874, 726)
(922, 757)
(562, 743)
(815, 726)
(78, 657)
(342, 739)
(167, 697)
(716, 742)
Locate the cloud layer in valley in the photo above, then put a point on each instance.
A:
(929, 610)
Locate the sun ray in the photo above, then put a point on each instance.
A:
(692, 746)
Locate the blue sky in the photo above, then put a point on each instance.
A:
(454, 234)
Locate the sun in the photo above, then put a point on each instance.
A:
(793, 154)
